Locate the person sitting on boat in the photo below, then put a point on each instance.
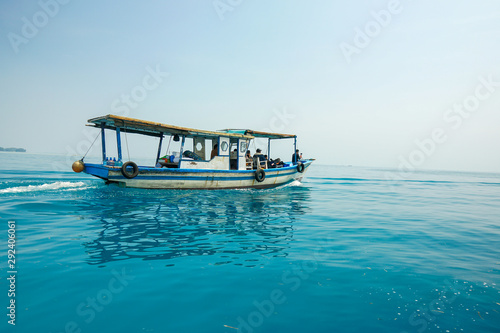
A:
(249, 160)
(258, 159)
(296, 157)
(270, 163)
(214, 151)
(190, 155)
(278, 163)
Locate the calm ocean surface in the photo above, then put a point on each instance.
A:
(345, 251)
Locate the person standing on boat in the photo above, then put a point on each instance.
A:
(296, 157)
(214, 151)
(233, 162)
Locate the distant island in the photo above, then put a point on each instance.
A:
(17, 150)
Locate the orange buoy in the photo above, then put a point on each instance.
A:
(78, 166)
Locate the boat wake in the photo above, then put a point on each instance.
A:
(45, 187)
(295, 183)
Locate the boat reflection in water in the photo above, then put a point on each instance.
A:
(235, 227)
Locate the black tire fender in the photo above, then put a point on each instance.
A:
(126, 173)
(300, 167)
(260, 175)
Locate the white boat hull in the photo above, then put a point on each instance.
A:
(163, 178)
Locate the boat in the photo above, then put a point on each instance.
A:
(191, 167)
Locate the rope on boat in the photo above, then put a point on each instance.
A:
(91, 146)
(126, 142)
(254, 145)
(168, 145)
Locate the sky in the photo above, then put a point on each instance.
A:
(399, 84)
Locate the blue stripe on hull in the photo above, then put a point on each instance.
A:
(184, 177)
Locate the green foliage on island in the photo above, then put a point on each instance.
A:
(17, 150)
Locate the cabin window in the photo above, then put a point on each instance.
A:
(243, 147)
(199, 147)
(224, 146)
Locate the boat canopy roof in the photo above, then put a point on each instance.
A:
(150, 128)
(258, 134)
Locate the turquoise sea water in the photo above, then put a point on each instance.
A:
(345, 251)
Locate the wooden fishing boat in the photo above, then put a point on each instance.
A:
(191, 167)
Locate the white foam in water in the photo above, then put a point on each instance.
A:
(44, 187)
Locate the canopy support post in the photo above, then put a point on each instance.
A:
(103, 143)
(119, 144)
(159, 149)
(268, 148)
(182, 150)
